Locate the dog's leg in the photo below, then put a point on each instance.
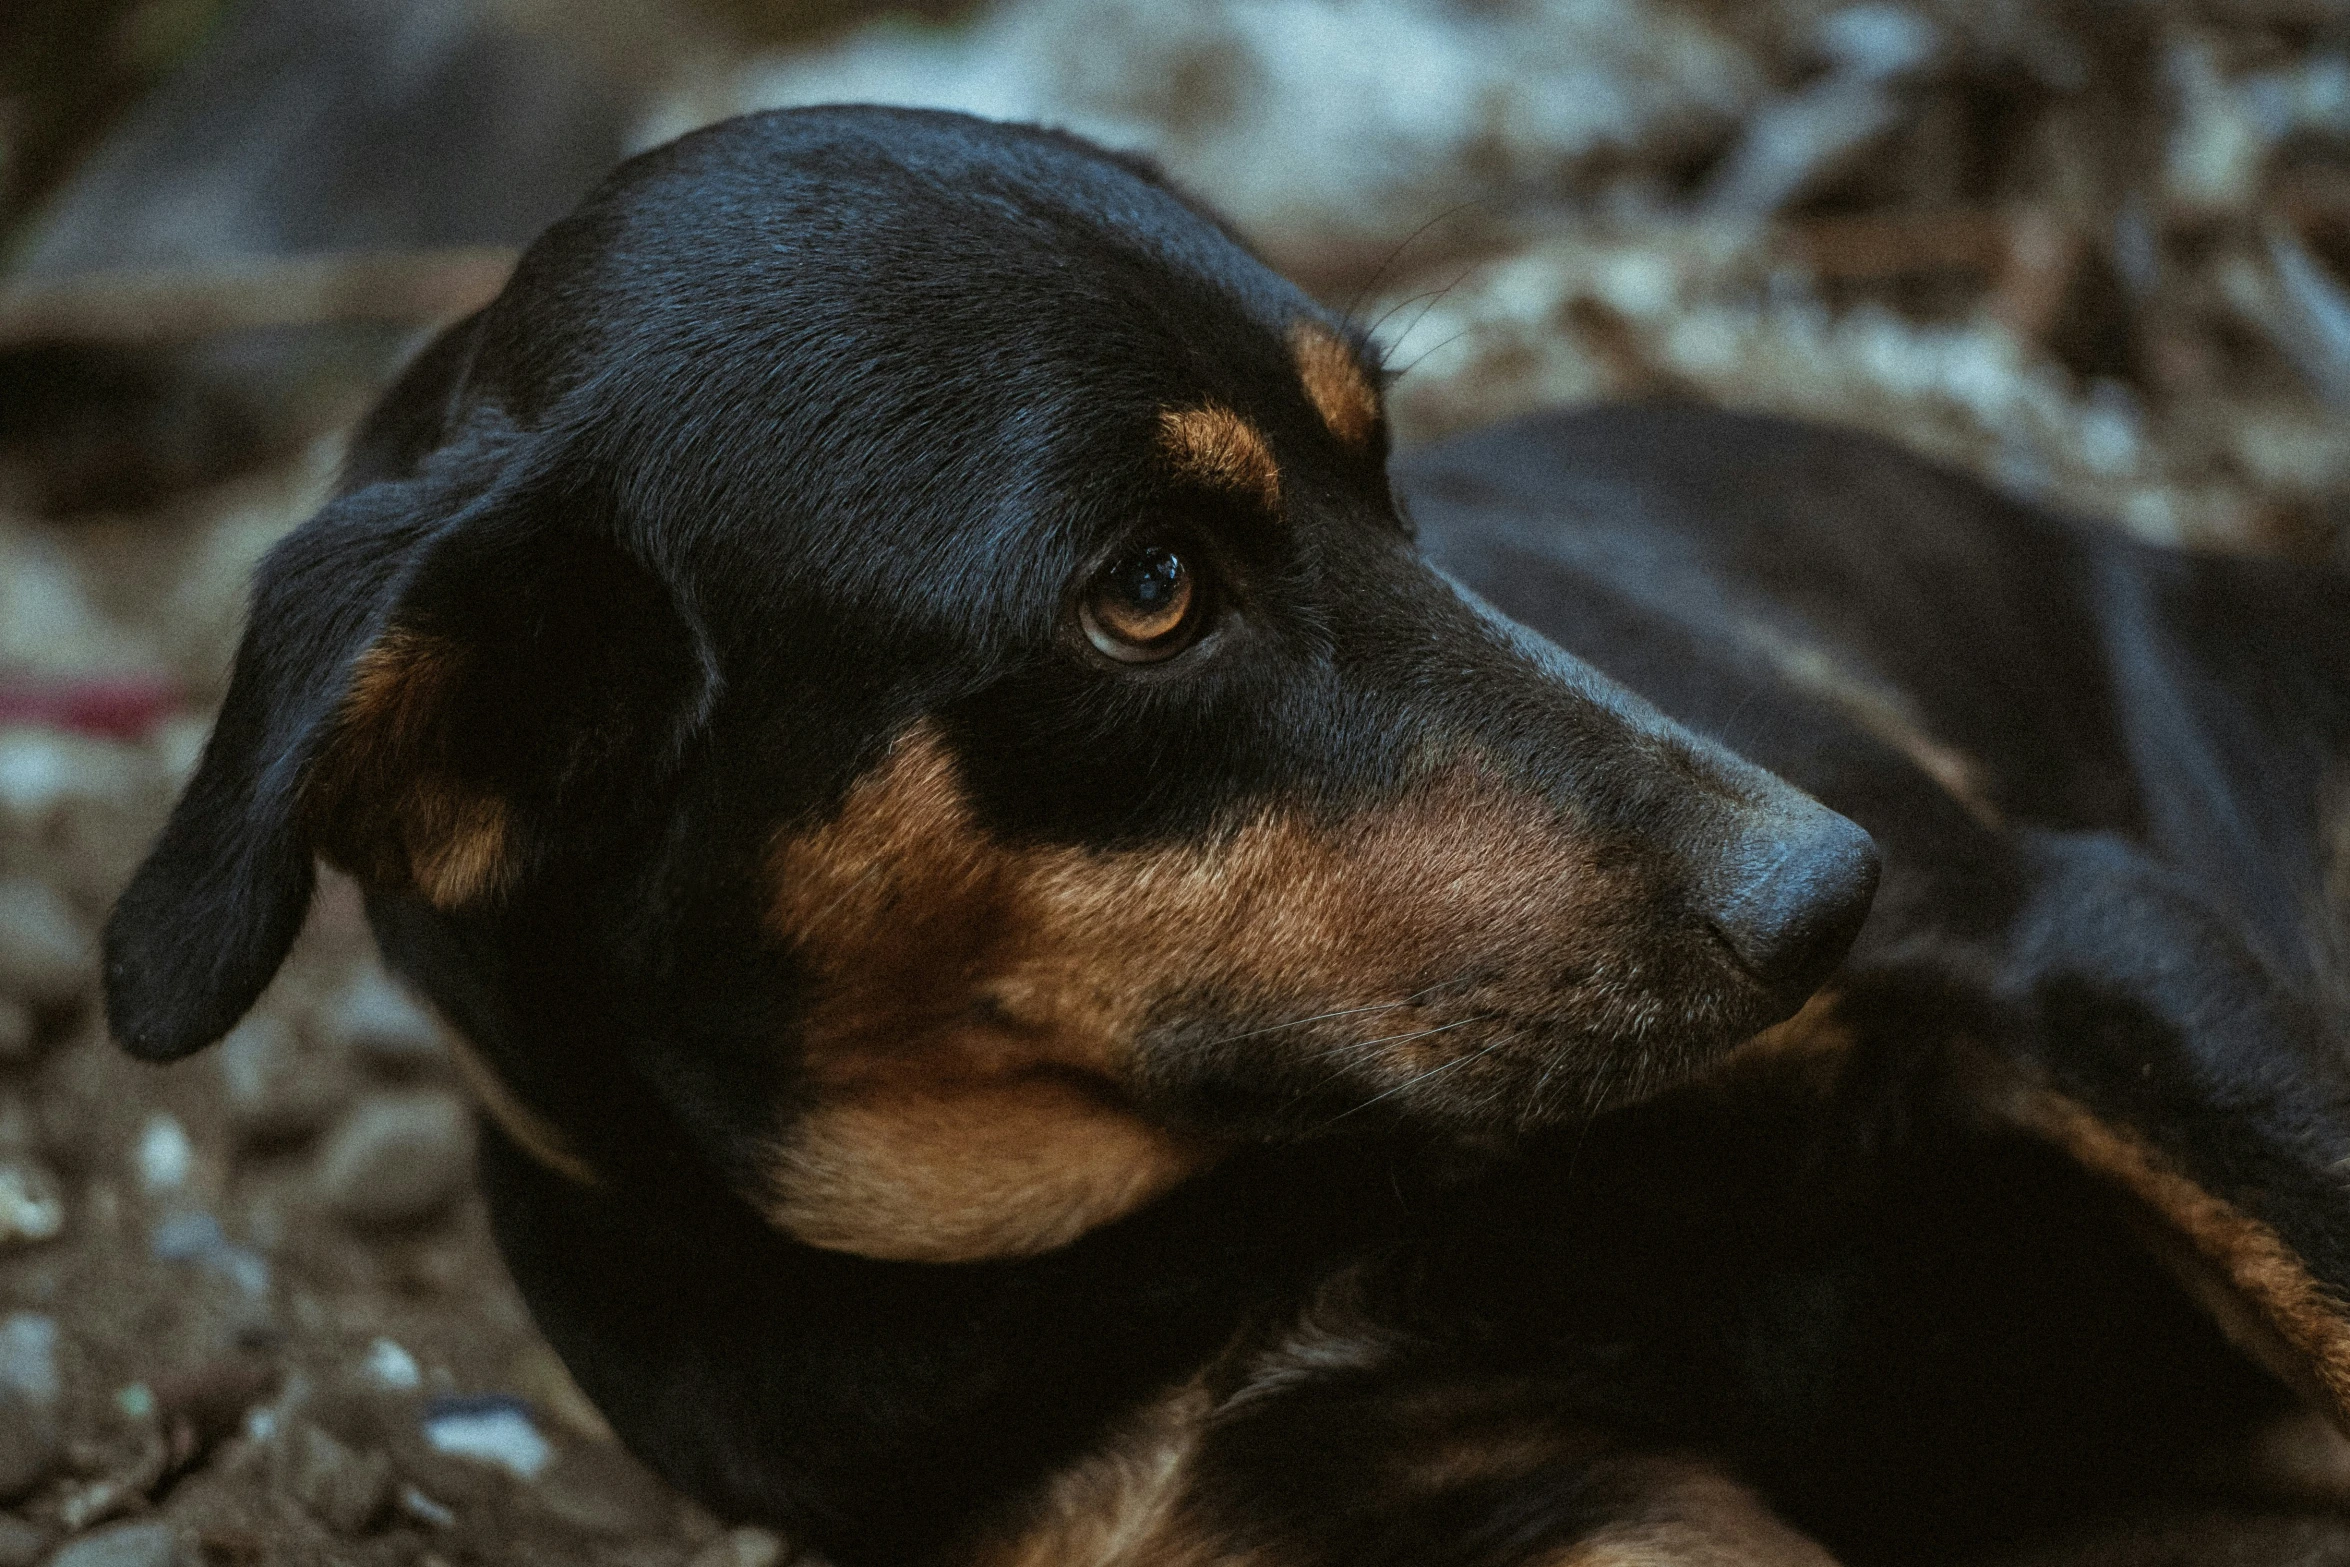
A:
(1143, 1502)
(1684, 1512)
(1345, 1440)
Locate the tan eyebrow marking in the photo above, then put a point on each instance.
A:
(1335, 382)
(1215, 446)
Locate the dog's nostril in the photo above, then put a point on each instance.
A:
(1790, 904)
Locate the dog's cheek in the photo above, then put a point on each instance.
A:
(977, 1048)
(958, 1175)
(959, 1076)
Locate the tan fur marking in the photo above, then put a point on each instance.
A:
(1124, 1505)
(1335, 382)
(1214, 446)
(2250, 1279)
(1885, 715)
(381, 804)
(1685, 1513)
(457, 847)
(532, 1132)
(2300, 1458)
(1120, 1506)
(969, 1048)
(1028, 1164)
(1817, 1031)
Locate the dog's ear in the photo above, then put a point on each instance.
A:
(433, 696)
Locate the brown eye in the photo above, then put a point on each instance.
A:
(1141, 609)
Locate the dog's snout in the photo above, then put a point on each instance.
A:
(1790, 897)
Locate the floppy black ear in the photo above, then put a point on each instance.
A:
(434, 700)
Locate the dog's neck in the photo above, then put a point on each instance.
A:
(894, 1403)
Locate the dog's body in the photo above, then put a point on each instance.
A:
(1053, 995)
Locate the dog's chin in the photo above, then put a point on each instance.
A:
(1493, 1079)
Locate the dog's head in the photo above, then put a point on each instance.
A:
(891, 642)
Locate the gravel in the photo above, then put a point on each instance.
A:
(45, 955)
(377, 1021)
(278, 1090)
(21, 1544)
(600, 1491)
(124, 1545)
(30, 1390)
(398, 1159)
(31, 1207)
(348, 1490)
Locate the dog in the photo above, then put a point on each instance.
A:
(1070, 963)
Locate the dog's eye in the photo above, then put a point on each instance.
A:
(1143, 608)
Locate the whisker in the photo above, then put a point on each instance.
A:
(1378, 276)
(1434, 300)
(1396, 1039)
(1457, 1061)
(1439, 348)
(1430, 295)
(1319, 1017)
(1323, 1017)
(1593, 1100)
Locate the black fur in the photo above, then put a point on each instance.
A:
(799, 432)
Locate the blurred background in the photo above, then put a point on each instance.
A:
(2097, 251)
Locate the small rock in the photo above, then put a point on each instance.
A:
(124, 1545)
(278, 1092)
(21, 1543)
(602, 1491)
(164, 1155)
(349, 1491)
(28, 1359)
(743, 1547)
(197, 1237)
(88, 1505)
(398, 1159)
(424, 1510)
(30, 1389)
(31, 1208)
(380, 1022)
(392, 1368)
(45, 955)
(489, 1429)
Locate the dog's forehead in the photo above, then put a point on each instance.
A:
(889, 265)
(858, 226)
(921, 335)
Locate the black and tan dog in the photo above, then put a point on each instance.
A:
(1056, 993)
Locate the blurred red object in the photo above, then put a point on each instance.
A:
(113, 707)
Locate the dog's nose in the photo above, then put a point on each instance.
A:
(1790, 899)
